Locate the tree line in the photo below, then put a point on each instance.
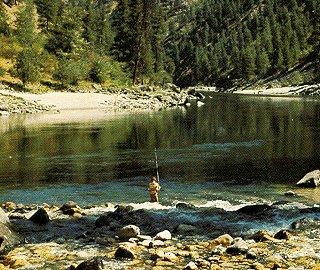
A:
(213, 42)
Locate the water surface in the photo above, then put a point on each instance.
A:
(235, 148)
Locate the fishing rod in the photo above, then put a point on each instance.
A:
(157, 167)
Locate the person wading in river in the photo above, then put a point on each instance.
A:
(154, 188)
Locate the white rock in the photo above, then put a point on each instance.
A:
(164, 235)
(128, 231)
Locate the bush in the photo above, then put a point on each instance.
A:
(99, 72)
(2, 71)
(71, 71)
(106, 69)
(27, 65)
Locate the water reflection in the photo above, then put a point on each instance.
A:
(232, 139)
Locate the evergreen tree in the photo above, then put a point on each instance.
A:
(28, 60)
(120, 21)
(66, 37)
(48, 12)
(4, 26)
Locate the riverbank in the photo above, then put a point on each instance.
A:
(137, 99)
(149, 237)
(312, 90)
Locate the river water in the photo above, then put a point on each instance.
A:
(235, 149)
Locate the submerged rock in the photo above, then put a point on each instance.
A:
(255, 209)
(311, 179)
(186, 229)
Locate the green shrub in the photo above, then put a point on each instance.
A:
(2, 71)
(106, 69)
(27, 65)
(71, 71)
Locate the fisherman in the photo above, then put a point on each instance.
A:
(154, 188)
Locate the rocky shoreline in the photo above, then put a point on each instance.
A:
(137, 99)
(119, 237)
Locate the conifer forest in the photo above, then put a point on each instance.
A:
(125, 42)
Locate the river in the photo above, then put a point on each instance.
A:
(234, 149)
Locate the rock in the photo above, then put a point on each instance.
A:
(283, 235)
(170, 257)
(9, 206)
(40, 217)
(239, 247)
(219, 250)
(224, 240)
(185, 206)
(156, 243)
(186, 229)
(3, 217)
(290, 193)
(262, 236)
(164, 235)
(255, 209)
(124, 253)
(94, 264)
(70, 208)
(158, 255)
(311, 179)
(4, 113)
(8, 235)
(143, 237)
(191, 266)
(128, 232)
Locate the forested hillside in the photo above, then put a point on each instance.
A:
(59, 43)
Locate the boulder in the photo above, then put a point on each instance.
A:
(40, 217)
(8, 235)
(224, 240)
(163, 236)
(124, 253)
(93, 264)
(128, 231)
(70, 208)
(283, 235)
(239, 247)
(255, 209)
(3, 217)
(311, 179)
(262, 236)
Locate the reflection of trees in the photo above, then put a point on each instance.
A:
(123, 148)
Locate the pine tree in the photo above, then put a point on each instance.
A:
(28, 60)
(120, 21)
(48, 12)
(105, 35)
(4, 26)
(26, 25)
(65, 37)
